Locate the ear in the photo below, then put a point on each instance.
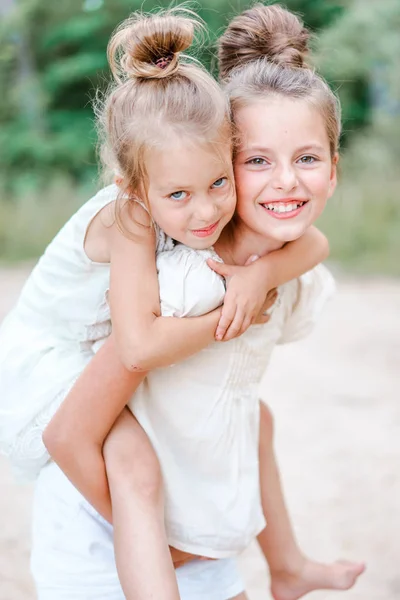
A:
(333, 176)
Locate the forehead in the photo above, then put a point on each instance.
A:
(280, 121)
(179, 162)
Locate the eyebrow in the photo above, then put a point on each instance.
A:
(164, 188)
(265, 150)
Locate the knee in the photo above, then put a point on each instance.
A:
(266, 423)
(132, 465)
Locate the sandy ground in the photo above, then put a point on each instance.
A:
(336, 401)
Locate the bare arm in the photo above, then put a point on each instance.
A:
(294, 259)
(75, 435)
(248, 285)
(145, 340)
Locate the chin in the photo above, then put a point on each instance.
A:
(287, 233)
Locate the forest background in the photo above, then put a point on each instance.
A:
(52, 60)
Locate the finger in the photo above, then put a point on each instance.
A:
(227, 316)
(235, 327)
(246, 324)
(221, 268)
(261, 319)
(251, 259)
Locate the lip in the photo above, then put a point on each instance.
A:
(206, 231)
(285, 215)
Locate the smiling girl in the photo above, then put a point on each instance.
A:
(168, 136)
(202, 416)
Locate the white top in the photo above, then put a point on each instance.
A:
(201, 415)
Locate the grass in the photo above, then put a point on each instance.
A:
(28, 223)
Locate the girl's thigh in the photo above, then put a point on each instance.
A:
(73, 551)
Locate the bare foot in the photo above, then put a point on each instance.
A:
(312, 576)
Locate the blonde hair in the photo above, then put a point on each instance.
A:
(157, 92)
(263, 52)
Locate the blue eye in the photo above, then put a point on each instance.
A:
(307, 160)
(179, 195)
(220, 182)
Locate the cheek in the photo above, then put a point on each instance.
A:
(168, 219)
(319, 183)
(247, 183)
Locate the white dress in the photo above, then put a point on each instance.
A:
(47, 339)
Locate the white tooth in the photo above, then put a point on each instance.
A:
(270, 206)
(293, 206)
(280, 208)
(289, 207)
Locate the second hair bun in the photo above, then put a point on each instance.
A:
(269, 32)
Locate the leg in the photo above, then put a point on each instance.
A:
(292, 574)
(143, 560)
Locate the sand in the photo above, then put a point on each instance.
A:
(336, 400)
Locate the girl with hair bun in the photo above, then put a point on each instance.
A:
(166, 133)
(288, 125)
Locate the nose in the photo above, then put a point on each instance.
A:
(284, 178)
(206, 210)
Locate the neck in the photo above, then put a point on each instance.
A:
(238, 242)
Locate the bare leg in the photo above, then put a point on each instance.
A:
(240, 597)
(292, 574)
(143, 559)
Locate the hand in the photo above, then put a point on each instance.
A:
(244, 299)
(269, 301)
(180, 558)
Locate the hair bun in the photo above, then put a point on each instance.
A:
(148, 46)
(269, 32)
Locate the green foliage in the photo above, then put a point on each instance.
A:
(52, 59)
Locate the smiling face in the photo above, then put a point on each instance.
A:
(191, 190)
(283, 167)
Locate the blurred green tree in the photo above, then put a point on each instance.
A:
(51, 61)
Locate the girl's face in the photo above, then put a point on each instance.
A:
(191, 190)
(283, 168)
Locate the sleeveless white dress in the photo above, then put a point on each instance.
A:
(47, 339)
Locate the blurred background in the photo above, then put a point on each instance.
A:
(335, 395)
(52, 59)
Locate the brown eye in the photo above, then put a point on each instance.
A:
(257, 161)
(307, 160)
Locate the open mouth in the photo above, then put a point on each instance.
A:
(284, 210)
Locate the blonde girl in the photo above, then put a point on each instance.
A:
(169, 138)
(285, 169)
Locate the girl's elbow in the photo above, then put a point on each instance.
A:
(56, 441)
(137, 359)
